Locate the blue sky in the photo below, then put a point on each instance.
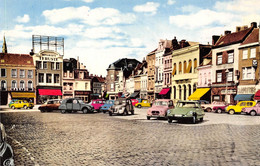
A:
(102, 31)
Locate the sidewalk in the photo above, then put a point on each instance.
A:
(6, 107)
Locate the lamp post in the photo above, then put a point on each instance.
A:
(227, 71)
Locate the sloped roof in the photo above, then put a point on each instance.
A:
(16, 59)
(233, 38)
(252, 37)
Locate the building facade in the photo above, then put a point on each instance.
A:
(150, 58)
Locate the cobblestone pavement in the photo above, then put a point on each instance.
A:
(98, 139)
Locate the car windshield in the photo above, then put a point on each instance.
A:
(162, 103)
(109, 102)
(118, 102)
(81, 101)
(187, 105)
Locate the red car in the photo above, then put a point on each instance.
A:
(97, 103)
(219, 109)
(134, 101)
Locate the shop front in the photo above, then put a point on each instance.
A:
(29, 96)
(200, 94)
(44, 94)
(165, 93)
(83, 95)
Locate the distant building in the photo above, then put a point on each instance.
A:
(97, 84)
(69, 67)
(150, 59)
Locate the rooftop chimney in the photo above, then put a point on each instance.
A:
(215, 39)
(227, 32)
(238, 28)
(254, 24)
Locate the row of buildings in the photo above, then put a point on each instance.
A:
(227, 70)
(45, 75)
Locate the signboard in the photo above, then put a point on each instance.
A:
(82, 93)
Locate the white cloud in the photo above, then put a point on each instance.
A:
(97, 16)
(88, 1)
(201, 19)
(171, 2)
(24, 19)
(103, 32)
(190, 9)
(149, 7)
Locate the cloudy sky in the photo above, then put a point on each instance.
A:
(102, 31)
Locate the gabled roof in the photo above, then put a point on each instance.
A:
(233, 38)
(252, 37)
(16, 59)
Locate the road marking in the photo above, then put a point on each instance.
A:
(25, 149)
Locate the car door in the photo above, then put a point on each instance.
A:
(76, 105)
(241, 106)
(69, 104)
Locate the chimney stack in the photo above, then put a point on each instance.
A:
(227, 32)
(215, 39)
(238, 28)
(254, 24)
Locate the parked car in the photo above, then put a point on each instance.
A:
(21, 104)
(134, 101)
(97, 103)
(143, 103)
(122, 106)
(186, 110)
(50, 105)
(255, 110)
(73, 105)
(6, 151)
(231, 109)
(219, 109)
(208, 107)
(107, 105)
(159, 108)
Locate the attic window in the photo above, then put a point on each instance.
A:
(2, 60)
(29, 62)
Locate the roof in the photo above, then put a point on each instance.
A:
(252, 37)
(16, 59)
(233, 38)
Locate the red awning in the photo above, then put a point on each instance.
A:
(164, 91)
(50, 92)
(257, 95)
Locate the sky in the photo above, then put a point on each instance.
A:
(100, 32)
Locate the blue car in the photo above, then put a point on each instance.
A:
(107, 105)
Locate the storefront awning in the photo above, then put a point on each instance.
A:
(198, 93)
(257, 95)
(50, 92)
(244, 97)
(164, 91)
(134, 95)
(23, 95)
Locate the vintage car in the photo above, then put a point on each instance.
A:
(6, 151)
(143, 103)
(50, 105)
(134, 101)
(252, 110)
(73, 105)
(107, 105)
(159, 108)
(231, 109)
(97, 103)
(21, 104)
(208, 107)
(219, 109)
(122, 106)
(190, 110)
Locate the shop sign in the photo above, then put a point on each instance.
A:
(82, 93)
(229, 91)
(246, 90)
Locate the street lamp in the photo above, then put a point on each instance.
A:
(227, 71)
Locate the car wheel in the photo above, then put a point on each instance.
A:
(85, 110)
(252, 113)
(231, 112)
(63, 111)
(169, 120)
(148, 117)
(139, 106)
(208, 109)
(201, 119)
(110, 113)
(125, 112)
(132, 112)
(104, 111)
(219, 111)
(13, 107)
(42, 110)
(194, 119)
(25, 107)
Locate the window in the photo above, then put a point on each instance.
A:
(30, 74)
(86, 86)
(253, 53)
(56, 78)
(243, 104)
(14, 73)
(219, 77)
(250, 104)
(14, 84)
(230, 76)
(52, 65)
(219, 62)
(3, 73)
(22, 73)
(48, 78)
(245, 54)
(57, 66)
(39, 64)
(41, 77)
(45, 65)
(3, 85)
(30, 85)
(230, 57)
(112, 77)
(112, 87)
(248, 73)
(22, 85)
